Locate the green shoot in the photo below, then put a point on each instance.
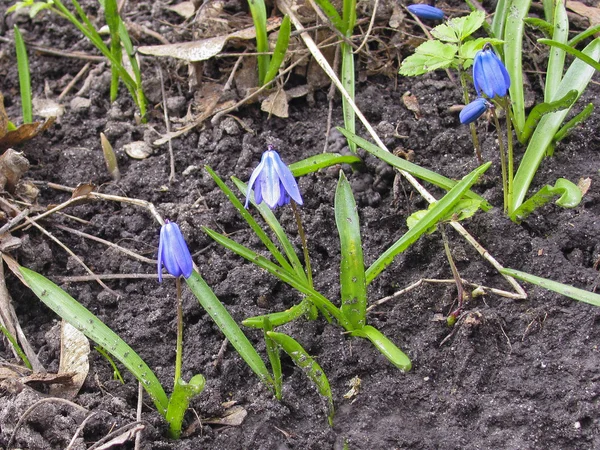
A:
(564, 289)
(274, 359)
(116, 372)
(259, 17)
(281, 46)
(24, 77)
(16, 346)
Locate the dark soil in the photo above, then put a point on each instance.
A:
(514, 374)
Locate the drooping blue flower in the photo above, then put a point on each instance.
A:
(489, 74)
(173, 252)
(273, 181)
(426, 12)
(474, 110)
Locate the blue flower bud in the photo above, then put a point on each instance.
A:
(173, 252)
(474, 110)
(489, 74)
(273, 182)
(426, 12)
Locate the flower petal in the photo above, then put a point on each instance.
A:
(426, 12)
(288, 181)
(271, 191)
(253, 178)
(473, 110)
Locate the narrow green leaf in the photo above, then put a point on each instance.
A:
(16, 346)
(499, 20)
(307, 363)
(250, 220)
(347, 75)
(563, 289)
(576, 53)
(513, 49)
(81, 318)
(317, 298)
(280, 318)
(541, 109)
(332, 14)
(413, 169)
(556, 59)
(352, 267)
(591, 31)
(182, 394)
(111, 14)
(437, 213)
(24, 77)
(281, 46)
(259, 17)
(321, 161)
(540, 24)
(387, 348)
(215, 309)
(569, 197)
(567, 127)
(274, 359)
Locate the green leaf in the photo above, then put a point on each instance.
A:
(274, 359)
(182, 394)
(435, 215)
(570, 197)
(24, 77)
(352, 267)
(332, 14)
(500, 19)
(513, 54)
(567, 127)
(584, 35)
(387, 348)
(464, 209)
(283, 40)
(211, 304)
(468, 49)
(541, 109)
(308, 365)
(280, 318)
(81, 318)
(321, 161)
(576, 53)
(445, 33)
(317, 298)
(258, 11)
(556, 58)
(347, 79)
(413, 169)
(468, 25)
(429, 56)
(563, 289)
(540, 24)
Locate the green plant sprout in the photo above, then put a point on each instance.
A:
(268, 66)
(119, 40)
(16, 346)
(452, 47)
(116, 372)
(24, 77)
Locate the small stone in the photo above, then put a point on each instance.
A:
(176, 105)
(80, 103)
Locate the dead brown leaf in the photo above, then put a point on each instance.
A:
(27, 131)
(590, 12)
(12, 167)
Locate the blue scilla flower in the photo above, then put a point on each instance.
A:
(489, 74)
(173, 252)
(474, 110)
(426, 12)
(273, 182)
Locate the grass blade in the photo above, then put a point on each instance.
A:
(500, 19)
(513, 49)
(280, 318)
(307, 363)
(347, 79)
(570, 197)
(81, 318)
(352, 267)
(281, 46)
(213, 306)
(541, 109)
(24, 77)
(563, 289)
(556, 59)
(111, 14)
(331, 13)
(415, 170)
(259, 17)
(439, 211)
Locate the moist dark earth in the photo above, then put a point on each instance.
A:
(511, 374)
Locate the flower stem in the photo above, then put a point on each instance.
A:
(304, 242)
(179, 350)
(509, 138)
(502, 159)
(474, 137)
